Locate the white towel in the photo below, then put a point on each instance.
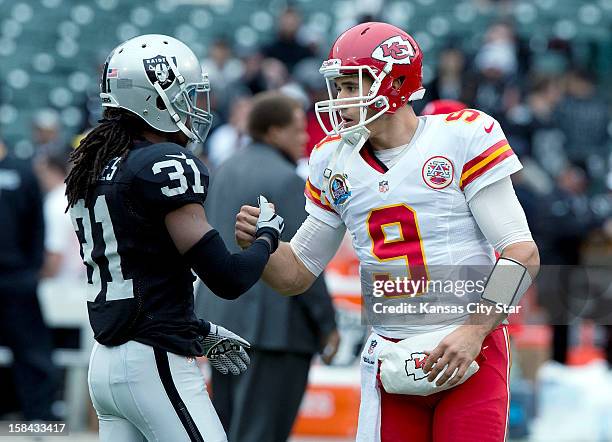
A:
(368, 429)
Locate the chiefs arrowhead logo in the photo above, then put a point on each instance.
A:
(394, 50)
(414, 365)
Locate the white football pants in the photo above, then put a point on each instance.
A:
(145, 394)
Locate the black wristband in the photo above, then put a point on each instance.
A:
(271, 234)
(204, 328)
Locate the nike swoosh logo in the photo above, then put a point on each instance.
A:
(182, 156)
(490, 128)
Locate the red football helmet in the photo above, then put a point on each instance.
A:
(385, 53)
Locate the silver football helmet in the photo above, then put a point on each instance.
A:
(159, 79)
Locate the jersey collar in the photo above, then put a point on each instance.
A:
(368, 155)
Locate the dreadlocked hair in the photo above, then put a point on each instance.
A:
(113, 137)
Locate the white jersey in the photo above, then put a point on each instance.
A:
(413, 218)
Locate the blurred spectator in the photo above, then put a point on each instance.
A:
(295, 90)
(284, 332)
(584, 117)
(223, 69)
(286, 47)
(274, 73)
(62, 258)
(251, 77)
(451, 79)
(232, 136)
(90, 105)
(568, 209)
(262, 74)
(46, 132)
(22, 327)
(533, 129)
(306, 72)
(496, 64)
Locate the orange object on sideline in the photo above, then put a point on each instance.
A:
(328, 410)
(585, 351)
(584, 354)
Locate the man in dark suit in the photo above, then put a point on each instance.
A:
(22, 327)
(284, 332)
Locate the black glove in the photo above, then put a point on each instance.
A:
(225, 350)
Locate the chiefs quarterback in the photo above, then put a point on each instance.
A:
(414, 193)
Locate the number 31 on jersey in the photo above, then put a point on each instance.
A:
(177, 172)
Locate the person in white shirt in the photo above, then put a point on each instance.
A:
(231, 136)
(62, 259)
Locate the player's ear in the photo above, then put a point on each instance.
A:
(272, 134)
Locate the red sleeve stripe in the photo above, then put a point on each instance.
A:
(314, 195)
(482, 156)
(489, 165)
(310, 188)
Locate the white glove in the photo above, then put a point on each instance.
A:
(226, 350)
(269, 222)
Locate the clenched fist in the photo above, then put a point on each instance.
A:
(251, 222)
(246, 225)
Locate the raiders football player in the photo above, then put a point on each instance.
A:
(135, 196)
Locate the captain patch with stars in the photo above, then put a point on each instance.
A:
(438, 172)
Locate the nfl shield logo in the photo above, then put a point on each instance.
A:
(373, 345)
(383, 186)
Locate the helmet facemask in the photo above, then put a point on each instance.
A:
(190, 101)
(194, 102)
(332, 70)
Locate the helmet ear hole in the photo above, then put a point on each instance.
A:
(397, 83)
(160, 103)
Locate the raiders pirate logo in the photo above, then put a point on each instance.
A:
(158, 70)
(395, 50)
(438, 172)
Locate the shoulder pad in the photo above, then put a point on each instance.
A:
(167, 176)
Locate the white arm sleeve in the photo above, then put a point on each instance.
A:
(316, 242)
(499, 214)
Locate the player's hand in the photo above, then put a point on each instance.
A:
(330, 347)
(246, 225)
(455, 352)
(268, 222)
(226, 351)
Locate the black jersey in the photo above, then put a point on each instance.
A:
(140, 287)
